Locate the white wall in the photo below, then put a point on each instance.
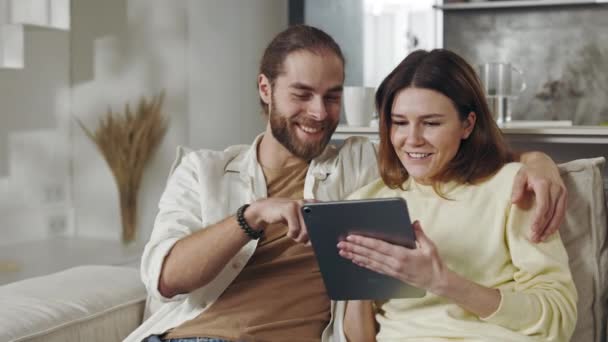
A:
(227, 39)
(28, 95)
(205, 55)
(32, 194)
(130, 49)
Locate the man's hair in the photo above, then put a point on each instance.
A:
(294, 38)
(479, 156)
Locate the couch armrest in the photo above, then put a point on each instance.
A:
(86, 303)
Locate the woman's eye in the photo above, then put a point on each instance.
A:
(400, 123)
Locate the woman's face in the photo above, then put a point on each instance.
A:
(426, 131)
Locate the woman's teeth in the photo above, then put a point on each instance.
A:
(418, 155)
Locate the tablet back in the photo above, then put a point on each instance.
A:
(330, 222)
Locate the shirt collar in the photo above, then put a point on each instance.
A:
(247, 163)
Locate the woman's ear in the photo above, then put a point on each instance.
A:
(264, 88)
(469, 124)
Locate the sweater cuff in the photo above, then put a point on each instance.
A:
(509, 311)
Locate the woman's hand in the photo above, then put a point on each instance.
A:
(421, 267)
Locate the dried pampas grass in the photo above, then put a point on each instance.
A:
(127, 141)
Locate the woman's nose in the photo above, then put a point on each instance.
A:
(414, 135)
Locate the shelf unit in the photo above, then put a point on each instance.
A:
(481, 5)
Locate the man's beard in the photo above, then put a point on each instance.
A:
(283, 129)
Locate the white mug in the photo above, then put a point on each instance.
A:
(358, 105)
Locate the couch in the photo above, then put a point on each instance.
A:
(105, 303)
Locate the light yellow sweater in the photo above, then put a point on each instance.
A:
(483, 237)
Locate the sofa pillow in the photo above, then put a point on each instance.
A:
(584, 235)
(86, 303)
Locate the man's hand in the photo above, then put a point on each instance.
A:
(278, 210)
(541, 176)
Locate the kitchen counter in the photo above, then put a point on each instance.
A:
(515, 132)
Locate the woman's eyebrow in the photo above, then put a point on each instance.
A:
(424, 116)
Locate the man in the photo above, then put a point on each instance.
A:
(227, 255)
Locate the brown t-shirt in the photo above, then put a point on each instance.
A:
(279, 295)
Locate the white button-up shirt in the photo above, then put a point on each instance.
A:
(208, 186)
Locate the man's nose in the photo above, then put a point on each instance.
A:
(317, 108)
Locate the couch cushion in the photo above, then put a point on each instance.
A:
(584, 235)
(87, 303)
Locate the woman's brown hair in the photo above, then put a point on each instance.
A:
(479, 156)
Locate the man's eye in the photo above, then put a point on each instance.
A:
(432, 123)
(333, 98)
(301, 96)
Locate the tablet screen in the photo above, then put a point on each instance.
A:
(330, 222)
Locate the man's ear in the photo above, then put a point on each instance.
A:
(469, 124)
(264, 88)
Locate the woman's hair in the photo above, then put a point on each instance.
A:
(479, 156)
(294, 38)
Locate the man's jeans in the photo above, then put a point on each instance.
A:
(155, 338)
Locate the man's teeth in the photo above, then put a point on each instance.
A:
(310, 129)
(418, 155)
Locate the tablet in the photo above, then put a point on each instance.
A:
(330, 222)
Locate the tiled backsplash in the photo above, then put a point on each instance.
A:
(562, 51)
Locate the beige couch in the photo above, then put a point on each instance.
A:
(87, 303)
(103, 303)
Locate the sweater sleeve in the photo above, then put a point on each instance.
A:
(541, 299)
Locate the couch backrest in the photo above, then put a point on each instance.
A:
(584, 235)
(84, 303)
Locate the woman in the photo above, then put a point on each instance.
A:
(441, 150)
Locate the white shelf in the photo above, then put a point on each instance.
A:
(536, 124)
(479, 5)
(558, 134)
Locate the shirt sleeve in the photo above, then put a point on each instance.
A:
(178, 216)
(363, 162)
(541, 301)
